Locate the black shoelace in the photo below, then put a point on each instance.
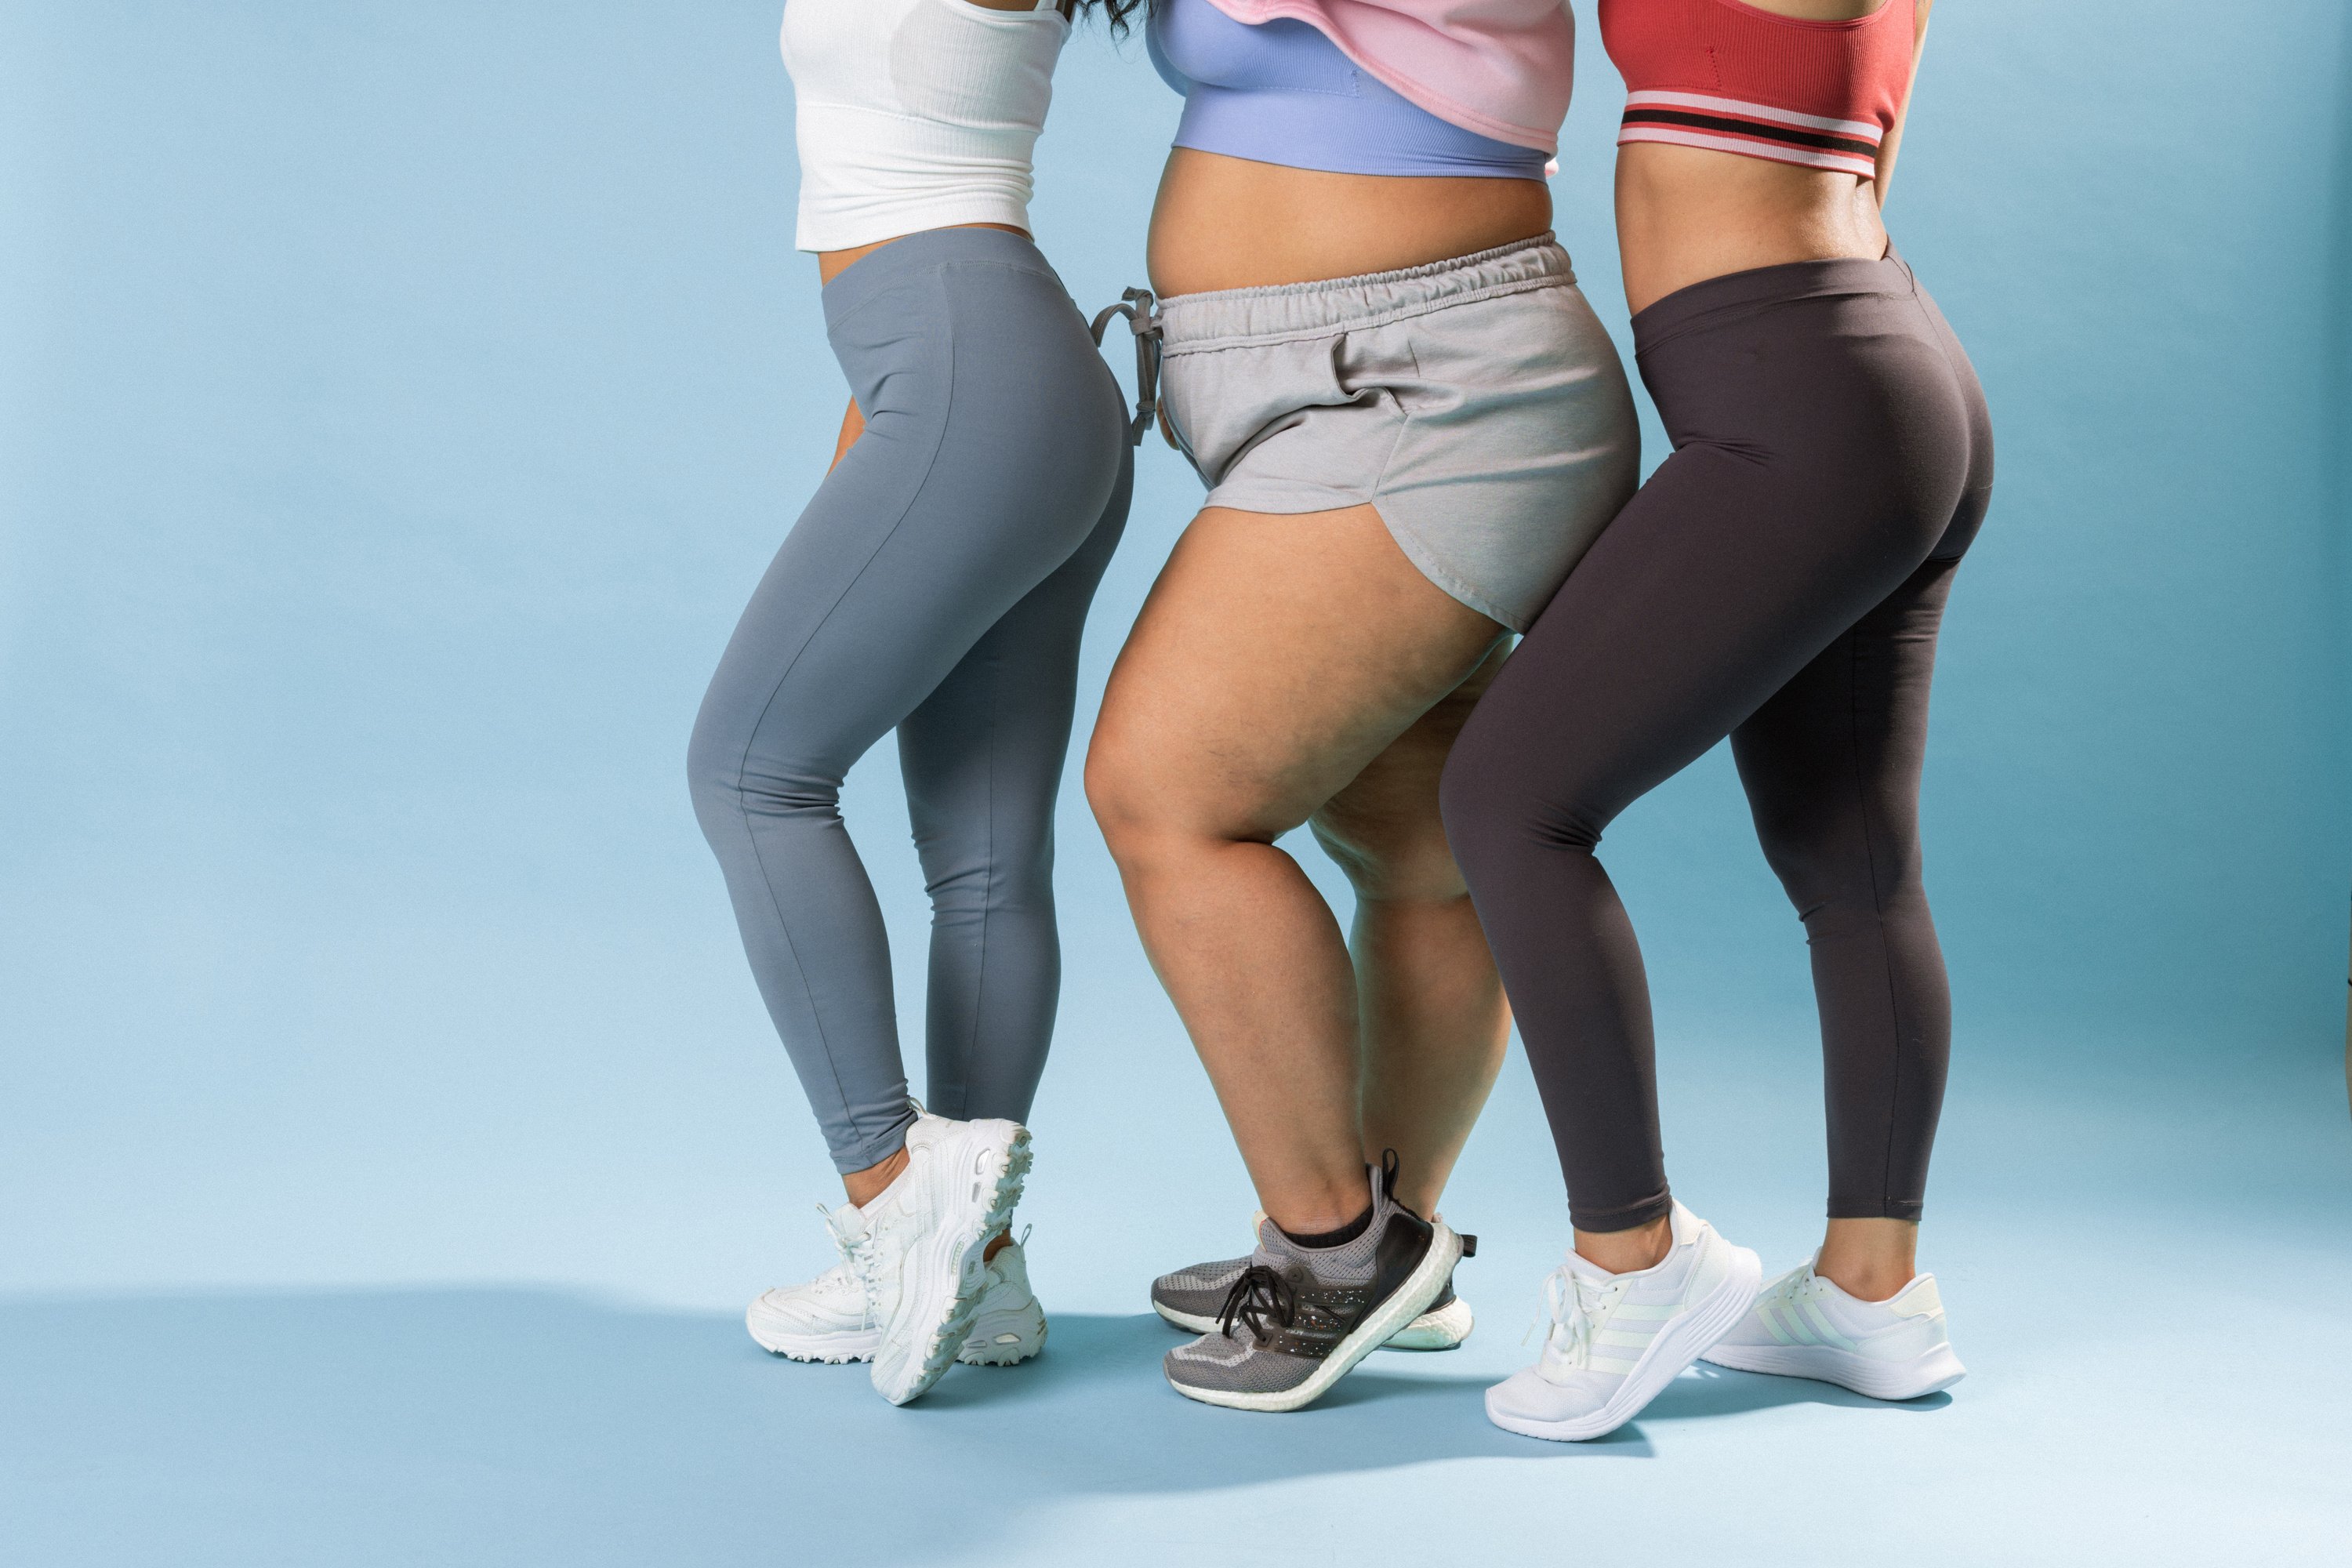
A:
(1259, 1295)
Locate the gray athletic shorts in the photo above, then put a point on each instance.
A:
(1476, 402)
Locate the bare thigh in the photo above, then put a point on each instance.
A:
(1384, 828)
(1276, 658)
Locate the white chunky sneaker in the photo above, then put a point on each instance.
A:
(1009, 1326)
(1616, 1339)
(1805, 1326)
(919, 1243)
(828, 1319)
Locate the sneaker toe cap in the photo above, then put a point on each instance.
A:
(1527, 1395)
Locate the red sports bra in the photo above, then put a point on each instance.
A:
(1731, 77)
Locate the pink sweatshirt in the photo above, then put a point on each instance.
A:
(1501, 67)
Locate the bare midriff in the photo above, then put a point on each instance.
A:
(1685, 215)
(831, 263)
(1230, 223)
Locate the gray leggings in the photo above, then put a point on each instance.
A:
(938, 584)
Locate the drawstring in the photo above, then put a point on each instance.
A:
(1143, 321)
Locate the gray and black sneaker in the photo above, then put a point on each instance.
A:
(1299, 1319)
(1193, 1298)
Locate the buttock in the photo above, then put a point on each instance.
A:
(1838, 382)
(1477, 403)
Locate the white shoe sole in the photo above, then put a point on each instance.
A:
(1185, 1321)
(1914, 1379)
(1411, 1299)
(1678, 1344)
(989, 1345)
(832, 1350)
(1440, 1329)
(936, 1311)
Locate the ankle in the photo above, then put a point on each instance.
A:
(1627, 1251)
(1877, 1285)
(1869, 1259)
(864, 1186)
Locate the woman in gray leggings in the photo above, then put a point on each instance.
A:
(937, 584)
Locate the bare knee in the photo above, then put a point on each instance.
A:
(1134, 794)
(1118, 789)
(1160, 810)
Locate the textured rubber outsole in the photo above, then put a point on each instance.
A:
(843, 1350)
(1892, 1380)
(1422, 1287)
(827, 1350)
(1678, 1344)
(962, 1250)
(1440, 1329)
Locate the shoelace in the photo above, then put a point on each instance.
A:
(858, 1260)
(1260, 1294)
(1576, 1304)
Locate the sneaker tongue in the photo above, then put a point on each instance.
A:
(847, 1223)
(1585, 1269)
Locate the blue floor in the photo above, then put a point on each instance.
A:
(2147, 1386)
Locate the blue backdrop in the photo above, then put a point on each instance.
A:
(397, 402)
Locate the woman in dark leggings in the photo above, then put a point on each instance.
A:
(1780, 580)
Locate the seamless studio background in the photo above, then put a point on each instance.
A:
(397, 402)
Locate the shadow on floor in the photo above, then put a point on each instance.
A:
(505, 1426)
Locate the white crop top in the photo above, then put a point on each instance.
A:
(915, 114)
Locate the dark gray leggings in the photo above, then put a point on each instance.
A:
(1778, 580)
(938, 584)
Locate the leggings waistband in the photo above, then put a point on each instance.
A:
(872, 274)
(1702, 304)
(1230, 318)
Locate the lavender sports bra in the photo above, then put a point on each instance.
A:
(1281, 92)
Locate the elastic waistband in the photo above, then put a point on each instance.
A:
(1707, 303)
(1232, 317)
(869, 275)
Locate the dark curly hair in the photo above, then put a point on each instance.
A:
(1118, 11)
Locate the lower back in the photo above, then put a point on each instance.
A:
(1685, 215)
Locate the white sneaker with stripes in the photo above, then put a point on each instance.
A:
(1616, 1339)
(1805, 1326)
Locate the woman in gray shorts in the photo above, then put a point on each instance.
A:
(1411, 426)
